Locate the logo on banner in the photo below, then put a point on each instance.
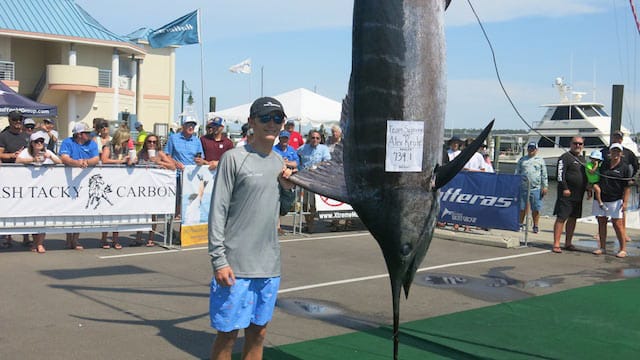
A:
(458, 216)
(98, 191)
(330, 201)
(456, 196)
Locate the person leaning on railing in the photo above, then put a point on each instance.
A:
(115, 152)
(37, 154)
(151, 154)
(78, 151)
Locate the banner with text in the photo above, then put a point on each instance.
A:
(487, 200)
(27, 191)
(333, 209)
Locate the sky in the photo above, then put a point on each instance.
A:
(592, 44)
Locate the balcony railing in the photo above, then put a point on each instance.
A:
(104, 78)
(7, 70)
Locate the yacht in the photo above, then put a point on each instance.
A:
(569, 117)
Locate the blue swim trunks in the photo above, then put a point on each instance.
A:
(534, 199)
(248, 301)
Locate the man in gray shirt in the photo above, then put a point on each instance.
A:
(243, 240)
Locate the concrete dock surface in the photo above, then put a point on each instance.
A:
(152, 303)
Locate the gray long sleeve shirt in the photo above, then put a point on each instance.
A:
(243, 219)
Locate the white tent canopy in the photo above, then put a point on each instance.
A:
(305, 107)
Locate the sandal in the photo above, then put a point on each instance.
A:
(599, 251)
(105, 245)
(117, 246)
(557, 250)
(150, 244)
(40, 249)
(571, 248)
(621, 254)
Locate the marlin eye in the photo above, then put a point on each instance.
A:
(406, 249)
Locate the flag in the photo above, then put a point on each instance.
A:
(182, 31)
(242, 68)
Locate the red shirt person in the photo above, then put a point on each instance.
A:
(296, 140)
(214, 142)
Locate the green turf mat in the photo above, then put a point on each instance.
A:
(595, 322)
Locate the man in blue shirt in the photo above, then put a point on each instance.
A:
(292, 161)
(312, 152)
(184, 148)
(78, 151)
(287, 151)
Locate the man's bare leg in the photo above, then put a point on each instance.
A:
(557, 232)
(570, 229)
(254, 342)
(223, 345)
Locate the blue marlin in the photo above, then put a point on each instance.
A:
(398, 73)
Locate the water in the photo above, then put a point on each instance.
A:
(549, 201)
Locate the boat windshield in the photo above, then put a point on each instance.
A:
(592, 111)
(589, 142)
(566, 113)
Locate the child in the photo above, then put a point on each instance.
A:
(592, 168)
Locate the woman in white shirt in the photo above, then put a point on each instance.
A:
(36, 153)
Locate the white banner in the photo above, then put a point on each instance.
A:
(28, 191)
(328, 208)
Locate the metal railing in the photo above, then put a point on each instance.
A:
(7, 70)
(104, 78)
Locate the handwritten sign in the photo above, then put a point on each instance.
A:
(405, 143)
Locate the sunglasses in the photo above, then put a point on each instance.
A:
(315, 137)
(151, 141)
(577, 143)
(278, 119)
(39, 141)
(30, 126)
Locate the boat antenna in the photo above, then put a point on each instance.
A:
(594, 81)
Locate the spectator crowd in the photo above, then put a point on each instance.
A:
(27, 141)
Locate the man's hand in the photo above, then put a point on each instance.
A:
(213, 164)
(225, 276)
(199, 161)
(566, 193)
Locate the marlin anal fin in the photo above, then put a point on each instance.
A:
(447, 172)
(327, 179)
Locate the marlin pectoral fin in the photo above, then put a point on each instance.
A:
(327, 179)
(447, 172)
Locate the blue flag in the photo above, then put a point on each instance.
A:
(182, 31)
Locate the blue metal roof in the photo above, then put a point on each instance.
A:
(55, 17)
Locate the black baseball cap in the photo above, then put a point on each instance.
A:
(265, 106)
(15, 115)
